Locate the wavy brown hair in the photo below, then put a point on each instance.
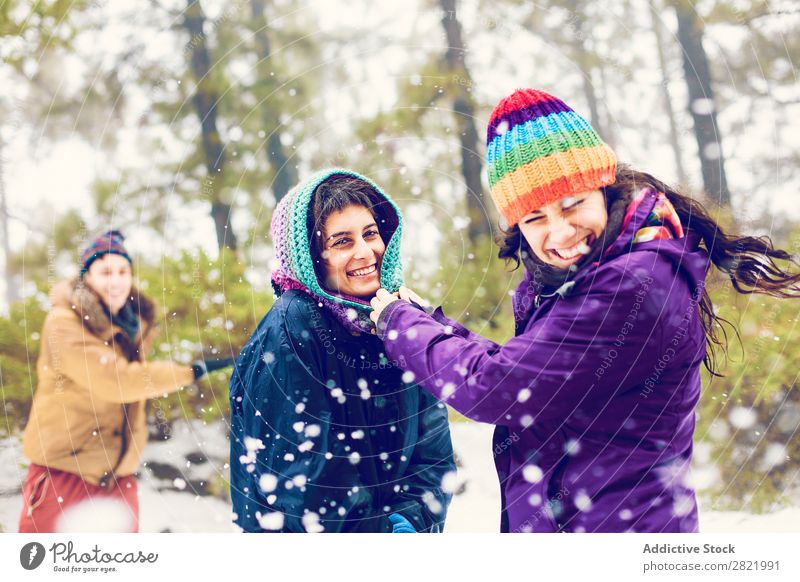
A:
(749, 262)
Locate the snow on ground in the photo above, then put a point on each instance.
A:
(176, 492)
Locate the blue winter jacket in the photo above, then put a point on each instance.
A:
(327, 435)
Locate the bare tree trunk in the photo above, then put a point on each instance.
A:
(610, 136)
(701, 102)
(464, 108)
(11, 288)
(284, 169)
(582, 58)
(205, 104)
(673, 126)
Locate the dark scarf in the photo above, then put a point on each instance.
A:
(127, 320)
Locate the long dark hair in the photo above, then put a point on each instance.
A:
(747, 261)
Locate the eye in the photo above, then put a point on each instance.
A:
(340, 242)
(533, 219)
(573, 203)
(371, 233)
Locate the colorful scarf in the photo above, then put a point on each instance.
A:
(661, 224)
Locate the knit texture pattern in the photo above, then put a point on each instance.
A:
(110, 242)
(295, 264)
(539, 150)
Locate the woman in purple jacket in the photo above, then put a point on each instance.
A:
(594, 399)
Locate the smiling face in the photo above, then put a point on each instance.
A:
(562, 232)
(110, 276)
(352, 250)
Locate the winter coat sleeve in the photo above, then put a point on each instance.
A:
(423, 496)
(460, 330)
(89, 361)
(590, 345)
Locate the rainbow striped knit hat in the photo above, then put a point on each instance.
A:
(539, 150)
(295, 264)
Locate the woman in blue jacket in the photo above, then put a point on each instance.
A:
(327, 435)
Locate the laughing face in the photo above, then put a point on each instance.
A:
(352, 251)
(562, 232)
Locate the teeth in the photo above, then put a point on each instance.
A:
(362, 272)
(579, 249)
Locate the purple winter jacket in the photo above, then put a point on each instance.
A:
(593, 400)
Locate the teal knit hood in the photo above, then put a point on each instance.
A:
(292, 240)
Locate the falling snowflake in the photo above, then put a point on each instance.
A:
(572, 447)
(354, 458)
(742, 418)
(272, 521)
(408, 377)
(523, 395)
(449, 482)
(268, 482)
(582, 501)
(179, 483)
(682, 505)
(532, 473)
(774, 455)
(268, 358)
(460, 223)
(253, 445)
(311, 523)
(433, 504)
(702, 106)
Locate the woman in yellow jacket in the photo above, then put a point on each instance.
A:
(87, 430)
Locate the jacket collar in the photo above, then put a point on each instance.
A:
(74, 294)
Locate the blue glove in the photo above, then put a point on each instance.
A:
(400, 524)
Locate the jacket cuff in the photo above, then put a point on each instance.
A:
(383, 319)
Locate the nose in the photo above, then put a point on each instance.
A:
(363, 250)
(561, 230)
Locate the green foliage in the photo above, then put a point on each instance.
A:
(748, 420)
(207, 307)
(474, 287)
(20, 336)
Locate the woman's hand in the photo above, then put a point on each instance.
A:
(381, 300)
(411, 297)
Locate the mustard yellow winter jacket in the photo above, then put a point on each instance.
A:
(88, 415)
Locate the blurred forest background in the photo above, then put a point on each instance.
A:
(188, 120)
